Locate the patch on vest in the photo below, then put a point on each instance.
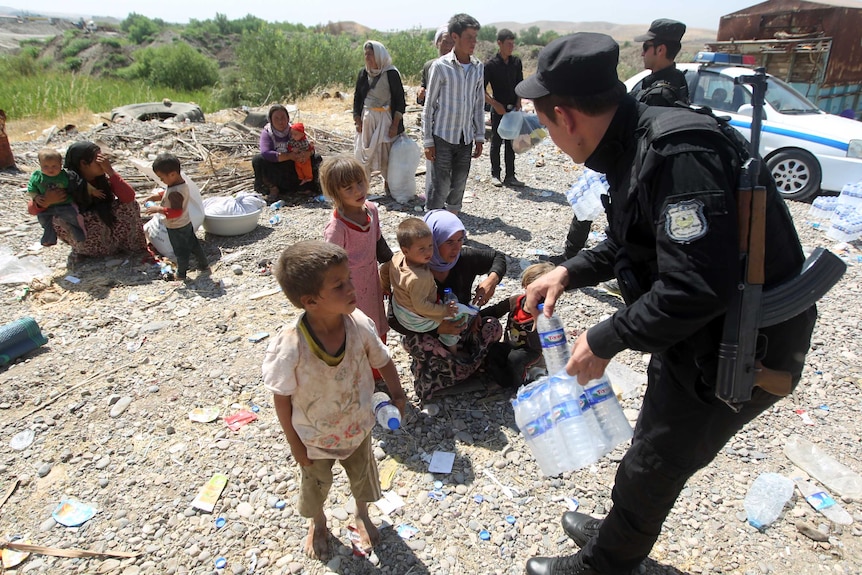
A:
(685, 221)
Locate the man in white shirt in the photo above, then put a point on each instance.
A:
(454, 115)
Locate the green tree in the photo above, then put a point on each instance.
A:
(530, 36)
(409, 51)
(547, 37)
(140, 28)
(488, 33)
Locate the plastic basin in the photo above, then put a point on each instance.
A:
(231, 225)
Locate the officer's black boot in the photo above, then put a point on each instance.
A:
(569, 565)
(580, 527)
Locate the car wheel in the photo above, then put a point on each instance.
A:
(796, 173)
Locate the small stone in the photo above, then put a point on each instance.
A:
(118, 408)
(47, 525)
(44, 470)
(245, 510)
(153, 389)
(811, 532)
(103, 462)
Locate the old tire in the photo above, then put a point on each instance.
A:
(796, 173)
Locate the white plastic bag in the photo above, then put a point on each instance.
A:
(241, 204)
(404, 156)
(523, 129)
(23, 271)
(156, 230)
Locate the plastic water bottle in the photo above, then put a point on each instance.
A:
(149, 204)
(609, 413)
(276, 205)
(387, 414)
(275, 220)
(535, 422)
(583, 444)
(449, 297)
(766, 498)
(823, 467)
(555, 348)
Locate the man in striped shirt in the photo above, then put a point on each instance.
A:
(454, 115)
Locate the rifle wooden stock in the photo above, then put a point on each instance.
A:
(776, 382)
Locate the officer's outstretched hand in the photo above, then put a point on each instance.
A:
(548, 288)
(583, 363)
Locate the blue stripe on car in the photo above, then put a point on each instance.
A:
(843, 146)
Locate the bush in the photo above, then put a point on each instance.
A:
(115, 43)
(75, 47)
(275, 65)
(176, 65)
(23, 64)
(488, 33)
(409, 51)
(72, 64)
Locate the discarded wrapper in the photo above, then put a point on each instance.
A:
(204, 414)
(73, 513)
(12, 558)
(22, 440)
(237, 420)
(210, 492)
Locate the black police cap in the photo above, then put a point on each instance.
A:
(580, 64)
(663, 29)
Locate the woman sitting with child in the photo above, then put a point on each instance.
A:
(111, 216)
(275, 168)
(454, 266)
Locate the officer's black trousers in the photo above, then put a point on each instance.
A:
(681, 428)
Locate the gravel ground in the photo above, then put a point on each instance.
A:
(129, 356)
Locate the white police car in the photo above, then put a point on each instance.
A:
(805, 148)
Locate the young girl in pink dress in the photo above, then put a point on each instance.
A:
(355, 226)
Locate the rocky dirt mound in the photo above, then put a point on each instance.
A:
(130, 356)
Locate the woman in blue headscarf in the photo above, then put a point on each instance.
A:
(454, 266)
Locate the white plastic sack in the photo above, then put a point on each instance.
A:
(20, 271)
(156, 230)
(523, 129)
(241, 204)
(404, 156)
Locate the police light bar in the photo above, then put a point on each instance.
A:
(724, 58)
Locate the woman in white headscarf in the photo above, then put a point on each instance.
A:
(378, 108)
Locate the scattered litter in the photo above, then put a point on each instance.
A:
(204, 414)
(73, 513)
(406, 531)
(237, 420)
(438, 485)
(20, 271)
(13, 558)
(386, 472)
(824, 407)
(507, 491)
(806, 419)
(72, 279)
(510, 519)
(220, 522)
(478, 498)
(441, 462)
(22, 440)
(484, 535)
(389, 502)
(355, 541)
(255, 408)
(823, 502)
(220, 563)
(210, 492)
(259, 336)
(280, 504)
(437, 495)
(572, 503)
(134, 346)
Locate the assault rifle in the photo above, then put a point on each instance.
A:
(752, 309)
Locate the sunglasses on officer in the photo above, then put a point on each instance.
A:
(648, 45)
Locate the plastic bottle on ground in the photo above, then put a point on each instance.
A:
(275, 220)
(823, 502)
(555, 348)
(583, 444)
(276, 205)
(766, 498)
(823, 467)
(603, 401)
(387, 414)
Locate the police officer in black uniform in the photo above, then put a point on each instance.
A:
(666, 84)
(672, 244)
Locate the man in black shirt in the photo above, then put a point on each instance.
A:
(666, 85)
(503, 72)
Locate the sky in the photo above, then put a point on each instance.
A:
(386, 15)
